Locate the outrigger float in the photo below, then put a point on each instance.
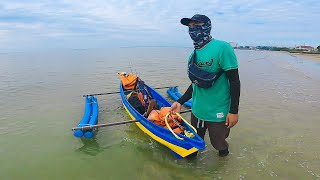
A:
(89, 118)
(174, 93)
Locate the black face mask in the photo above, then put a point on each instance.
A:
(200, 34)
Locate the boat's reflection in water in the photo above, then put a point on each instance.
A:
(90, 146)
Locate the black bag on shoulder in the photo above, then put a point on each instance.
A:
(199, 77)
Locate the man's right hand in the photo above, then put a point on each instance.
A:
(176, 107)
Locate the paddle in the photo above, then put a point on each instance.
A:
(86, 128)
(150, 107)
(98, 94)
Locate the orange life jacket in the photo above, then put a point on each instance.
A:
(128, 80)
(158, 117)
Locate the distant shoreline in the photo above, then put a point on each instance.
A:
(299, 52)
(310, 56)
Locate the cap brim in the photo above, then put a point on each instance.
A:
(185, 21)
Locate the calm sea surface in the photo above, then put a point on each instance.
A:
(277, 137)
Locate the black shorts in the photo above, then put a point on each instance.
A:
(218, 132)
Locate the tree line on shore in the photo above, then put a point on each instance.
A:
(272, 48)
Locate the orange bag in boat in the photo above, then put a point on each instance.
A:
(158, 117)
(177, 129)
(128, 80)
(164, 111)
(154, 117)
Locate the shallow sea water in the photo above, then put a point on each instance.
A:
(277, 136)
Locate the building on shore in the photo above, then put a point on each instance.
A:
(246, 47)
(233, 44)
(305, 48)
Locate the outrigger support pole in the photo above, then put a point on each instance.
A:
(87, 128)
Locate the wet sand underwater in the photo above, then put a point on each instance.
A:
(311, 56)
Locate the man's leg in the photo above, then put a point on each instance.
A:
(201, 131)
(201, 128)
(218, 133)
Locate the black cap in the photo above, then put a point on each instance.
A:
(197, 17)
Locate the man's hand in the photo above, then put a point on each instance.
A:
(176, 107)
(231, 120)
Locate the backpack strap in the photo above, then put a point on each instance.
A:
(150, 107)
(193, 57)
(136, 83)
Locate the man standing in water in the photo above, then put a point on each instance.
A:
(215, 107)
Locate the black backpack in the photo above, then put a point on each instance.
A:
(136, 103)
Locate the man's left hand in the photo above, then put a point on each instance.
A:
(231, 120)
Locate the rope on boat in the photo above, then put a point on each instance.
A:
(195, 130)
(187, 133)
(167, 124)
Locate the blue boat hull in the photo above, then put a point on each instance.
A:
(183, 147)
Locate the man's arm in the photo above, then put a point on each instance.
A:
(234, 81)
(186, 96)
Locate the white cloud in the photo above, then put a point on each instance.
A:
(4, 35)
(21, 26)
(152, 21)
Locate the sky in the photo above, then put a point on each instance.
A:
(78, 24)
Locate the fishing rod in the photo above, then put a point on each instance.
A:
(99, 94)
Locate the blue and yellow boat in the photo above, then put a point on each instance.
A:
(181, 145)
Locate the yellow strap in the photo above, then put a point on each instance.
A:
(186, 122)
(187, 133)
(167, 124)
